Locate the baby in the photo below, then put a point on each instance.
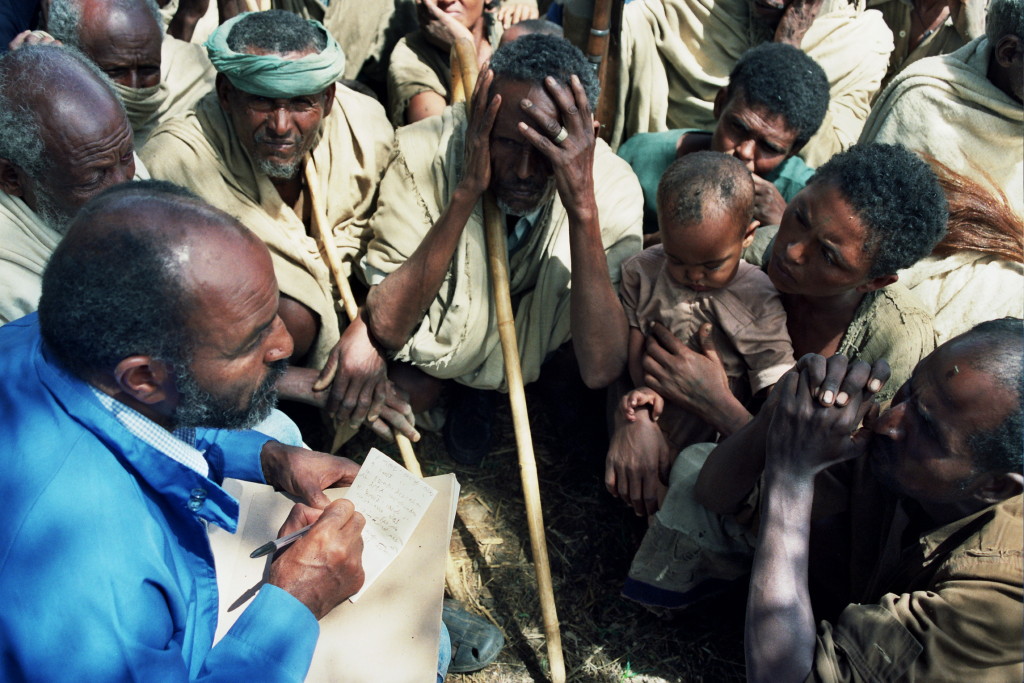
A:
(696, 277)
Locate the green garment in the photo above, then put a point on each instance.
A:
(651, 153)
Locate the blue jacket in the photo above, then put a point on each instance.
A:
(106, 572)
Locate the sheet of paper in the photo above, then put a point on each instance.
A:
(390, 636)
(393, 500)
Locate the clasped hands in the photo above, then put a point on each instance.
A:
(817, 412)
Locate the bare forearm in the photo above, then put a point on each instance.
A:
(779, 638)
(398, 303)
(297, 385)
(732, 469)
(183, 23)
(600, 332)
(728, 415)
(228, 9)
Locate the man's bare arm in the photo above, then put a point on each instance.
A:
(398, 303)
(183, 23)
(805, 437)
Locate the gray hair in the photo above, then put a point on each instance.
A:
(1004, 18)
(276, 31)
(536, 56)
(64, 20)
(33, 69)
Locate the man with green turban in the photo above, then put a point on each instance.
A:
(278, 120)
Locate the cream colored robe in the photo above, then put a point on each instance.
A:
(368, 32)
(201, 151)
(946, 107)
(677, 54)
(186, 75)
(25, 247)
(458, 337)
(966, 288)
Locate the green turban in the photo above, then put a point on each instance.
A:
(271, 75)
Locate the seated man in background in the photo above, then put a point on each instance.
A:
(59, 148)
(906, 533)
(277, 115)
(774, 103)
(571, 211)
(965, 109)
(121, 400)
(156, 76)
(677, 54)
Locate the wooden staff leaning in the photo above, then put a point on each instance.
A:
(322, 232)
(464, 75)
(603, 51)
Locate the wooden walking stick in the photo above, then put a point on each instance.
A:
(348, 300)
(497, 257)
(603, 48)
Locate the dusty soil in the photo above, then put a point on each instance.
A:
(591, 538)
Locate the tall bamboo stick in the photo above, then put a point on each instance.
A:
(497, 257)
(348, 300)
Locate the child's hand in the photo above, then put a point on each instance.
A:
(639, 397)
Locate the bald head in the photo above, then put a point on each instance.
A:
(27, 76)
(996, 348)
(61, 146)
(122, 37)
(119, 283)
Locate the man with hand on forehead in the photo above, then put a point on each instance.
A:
(246, 149)
(572, 211)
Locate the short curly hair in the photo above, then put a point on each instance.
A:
(705, 179)
(276, 31)
(98, 307)
(536, 56)
(897, 197)
(1004, 18)
(786, 82)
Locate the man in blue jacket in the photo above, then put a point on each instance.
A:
(157, 331)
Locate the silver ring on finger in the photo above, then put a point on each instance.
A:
(562, 135)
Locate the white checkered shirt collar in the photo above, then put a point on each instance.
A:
(178, 445)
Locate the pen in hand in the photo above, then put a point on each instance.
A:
(277, 544)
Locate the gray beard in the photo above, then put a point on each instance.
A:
(277, 171)
(549, 192)
(51, 214)
(197, 407)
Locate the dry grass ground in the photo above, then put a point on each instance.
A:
(590, 542)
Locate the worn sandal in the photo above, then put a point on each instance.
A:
(475, 641)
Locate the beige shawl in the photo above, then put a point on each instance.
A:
(677, 54)
(25, 247)
(965, 289)
(201, 151)
(368, 32)
(458, 337)
(946, 107)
